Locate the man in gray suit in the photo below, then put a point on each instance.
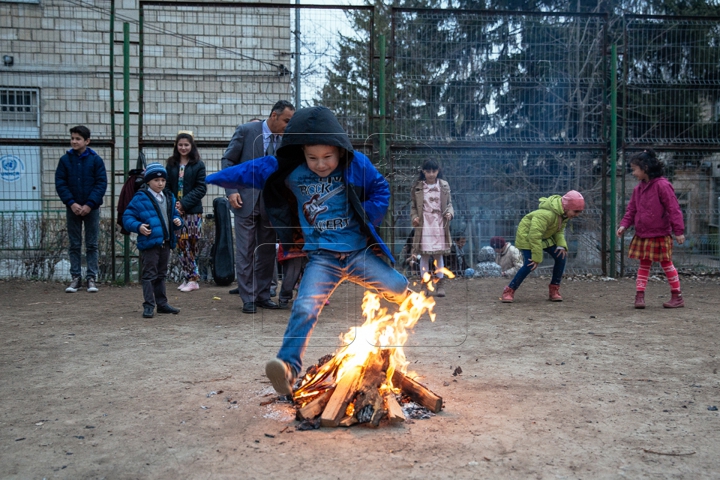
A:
(254, 236)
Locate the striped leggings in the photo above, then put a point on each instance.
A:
(670, 272)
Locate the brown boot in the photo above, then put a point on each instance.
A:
(555, 293)
(440, 287)
(640, 300)
(508, 295)
(676, 301)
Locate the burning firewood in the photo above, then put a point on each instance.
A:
(315, 407)
(341, 398)
(395, 412)
(418, 393)
(353, 386)
(369, 405)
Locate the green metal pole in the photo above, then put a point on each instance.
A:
(613, 157)
(141, 79)
(386, 232)
(112, 137)
(381, 98)
(126, 132)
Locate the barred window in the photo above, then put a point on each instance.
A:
(19, 108)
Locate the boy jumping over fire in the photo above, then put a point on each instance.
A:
(325, 197)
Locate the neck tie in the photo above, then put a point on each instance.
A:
(271, 146)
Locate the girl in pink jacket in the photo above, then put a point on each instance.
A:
(656, 215)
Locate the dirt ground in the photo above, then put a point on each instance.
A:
(586, 388)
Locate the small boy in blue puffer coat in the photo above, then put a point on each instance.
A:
(149, 214)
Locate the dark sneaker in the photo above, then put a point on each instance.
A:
(167, 309)
(74, 285)
(148, 312)
(280, 375)
(249, 307)
(92, 288)
(283, 303)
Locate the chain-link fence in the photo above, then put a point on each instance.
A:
(514, 106)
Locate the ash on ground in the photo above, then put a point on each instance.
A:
(414, 411)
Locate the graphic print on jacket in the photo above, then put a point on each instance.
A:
(324, 210)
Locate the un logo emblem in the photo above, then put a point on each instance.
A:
(12, 168)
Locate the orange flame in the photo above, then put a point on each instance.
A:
(380, 330)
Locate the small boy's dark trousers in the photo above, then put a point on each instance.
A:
(155, 266)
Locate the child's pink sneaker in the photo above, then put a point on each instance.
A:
(190, 287)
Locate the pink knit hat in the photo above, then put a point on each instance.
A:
(573, 200)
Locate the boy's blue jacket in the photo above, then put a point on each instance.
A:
(144, 209)
(81, 179)
(367, 190)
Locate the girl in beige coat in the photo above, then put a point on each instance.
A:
(430, 212)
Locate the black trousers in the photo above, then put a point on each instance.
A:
(155, 267)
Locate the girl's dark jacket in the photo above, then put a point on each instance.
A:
(367, 190)
(194, 188)
(144, 209)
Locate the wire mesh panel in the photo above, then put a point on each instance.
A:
(54, 55)
(671, 97)
(492, 189)
(208, 68)
(672, 81)
(695, 176)
(498, 77)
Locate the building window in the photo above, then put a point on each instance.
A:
(19, 108)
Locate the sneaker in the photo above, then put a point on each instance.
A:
(281, 376)
(167, 309)
(182, 285)
(92, 288)
(74, 285)
(190, 286)
(283, 303)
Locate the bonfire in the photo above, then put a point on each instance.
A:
(361, 381)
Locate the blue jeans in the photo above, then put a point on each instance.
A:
(324, 271)
(558, 269)
(92, 228)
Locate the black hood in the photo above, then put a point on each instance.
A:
(312, 126)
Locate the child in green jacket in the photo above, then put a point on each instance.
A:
(544, 229)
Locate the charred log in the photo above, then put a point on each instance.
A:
(369, 404)
(419, 393)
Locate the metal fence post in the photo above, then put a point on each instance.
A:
(613, 156)
(126, 133)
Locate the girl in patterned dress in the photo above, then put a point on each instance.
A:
(655, 213)
(186, 180)
(430, 212)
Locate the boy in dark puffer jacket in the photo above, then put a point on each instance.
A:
(149, 214)
(81, 181)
